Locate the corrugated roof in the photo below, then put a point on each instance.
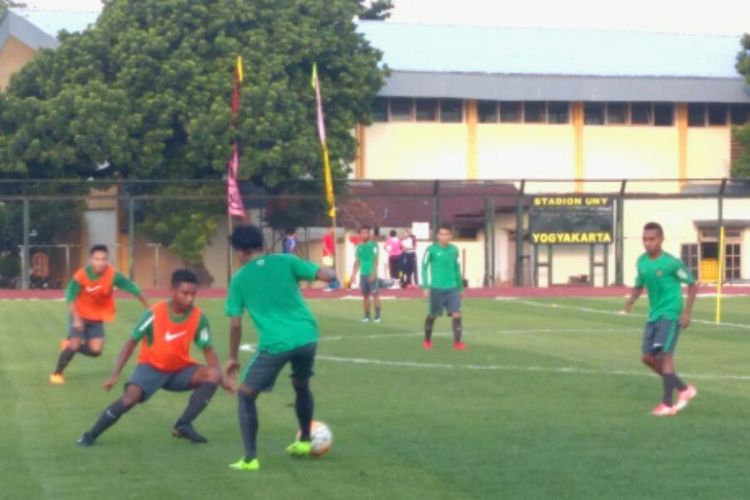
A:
(518, 51)
(26, 32)
(54, 21)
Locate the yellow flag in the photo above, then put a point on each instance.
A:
(238, 70)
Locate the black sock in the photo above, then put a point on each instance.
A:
(456, 329)
(198, 401)
(64, 359)
(377, 312)
(429, 322)
(679, 384)
(669, 384)
(304, 405)
(108, 418)
(84, 349)
(248, 424)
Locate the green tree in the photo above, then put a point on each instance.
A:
(741, 166)
(376, 10)
(147, 89)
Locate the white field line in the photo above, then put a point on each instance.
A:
(513, 368)
(613, 313)
(376, 336)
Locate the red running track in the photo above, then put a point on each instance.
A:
(317, 293)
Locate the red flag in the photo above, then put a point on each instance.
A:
(234, 197)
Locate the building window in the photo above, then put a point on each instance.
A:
(451, 111)
(558, 112)
(593, 113)
(691, 258)
(617, 113)
(696, 115)
(534, 112)
(402, 109)
(487, 111)
(641, 113)
(717, 114)
(732, 262)
(740, 114)
(663, 114)
(426, 110)
(380, 110)
(510, 112)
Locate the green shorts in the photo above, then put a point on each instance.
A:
(660, 336)
(150, 380)
(448, 300)
(265, 367)
(91, 330)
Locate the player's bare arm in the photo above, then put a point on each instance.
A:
(212, 361)
(634, 295)
(374, 274)
(354, 273)
(687, 313)
(75, 317)
(235, 336)
(122, 359)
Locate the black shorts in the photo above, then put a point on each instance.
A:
(448, 300)
(368, 287)
(660, 336)
(91, 330)
(150, 380)
(262, 371)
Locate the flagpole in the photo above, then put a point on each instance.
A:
(235, 206)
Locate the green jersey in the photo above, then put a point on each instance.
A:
(120, 281)
(145, 328)
(268, 288)
(663, 278)
(367, 254)
(440, 268)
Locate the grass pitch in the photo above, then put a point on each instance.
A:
(550, 401)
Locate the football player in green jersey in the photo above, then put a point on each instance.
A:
(663, 275)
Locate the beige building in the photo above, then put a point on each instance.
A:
(19, 42)
(580, 107)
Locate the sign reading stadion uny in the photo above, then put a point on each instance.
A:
(571, 220)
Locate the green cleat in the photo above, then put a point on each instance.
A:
(241, 464)
(299, 449)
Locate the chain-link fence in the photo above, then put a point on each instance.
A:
(571, 232)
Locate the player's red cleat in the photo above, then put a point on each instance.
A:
(684, 397)
(427, 344)
(664, 411)
(459, 346)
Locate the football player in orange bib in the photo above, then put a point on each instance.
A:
(91, 302)
(166, 333)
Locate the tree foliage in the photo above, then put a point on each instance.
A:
(377, 10)
(741, 166)
(148, 90)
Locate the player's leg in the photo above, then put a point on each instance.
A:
(132, 396)
(366, 288)
(260, 375)
(94, 334)
(664, 340)
(203, 381)
(453, 306)
(672, 381)
(303, 360)
(376, 299)
(69, 349)
(434, 310)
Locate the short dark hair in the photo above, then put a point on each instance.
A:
(445, 226)
(393, 232)
(98, 248)
(247, 238)
(654, 226)
(183, 276)
(363, 228)
(291, 231)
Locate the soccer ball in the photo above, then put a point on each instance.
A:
(321, 438)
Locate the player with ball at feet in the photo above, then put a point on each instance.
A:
(662, 275)
(267, 287)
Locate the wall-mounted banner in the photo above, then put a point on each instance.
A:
(571, 220)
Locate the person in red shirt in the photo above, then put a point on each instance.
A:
(166, 333)
(329, 255)
(91, 303)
